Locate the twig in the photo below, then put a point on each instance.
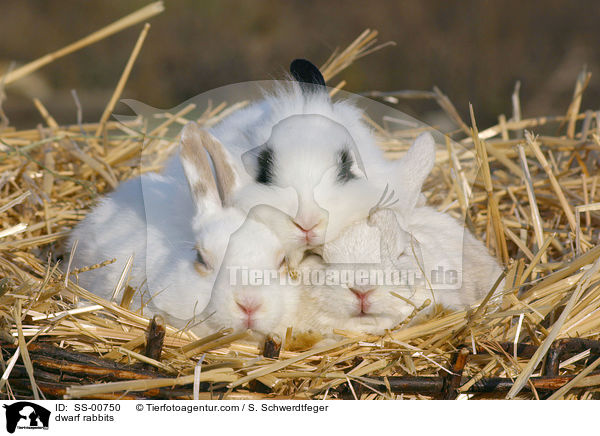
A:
(272, 346)
(155, 338)
(452, 382)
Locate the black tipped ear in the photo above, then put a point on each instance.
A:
(306, 72)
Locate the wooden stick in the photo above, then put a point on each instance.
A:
(215, 375)
(155, 338)
(272, 347)
(573, 383)
(453, 381)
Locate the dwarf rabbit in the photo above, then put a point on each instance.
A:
(251, 290)
(176, 228)
(418, 254)
(307, 172)
(434, 259)
(303, 154)
(188, 256)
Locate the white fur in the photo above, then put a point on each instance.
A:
(252, 127)
(153, 219)
(413, 241)
(305, 188)
(274, 300)
(306, 132)
(427, 242)
(157, 220)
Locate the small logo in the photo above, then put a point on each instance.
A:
(26, 415)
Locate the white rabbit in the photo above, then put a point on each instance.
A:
(307, 171)
(434, 259)
(251, 290)
(418, 253)
(187, 255)
(306, 155)
(267, 305)
(248, 131)
(176, 228)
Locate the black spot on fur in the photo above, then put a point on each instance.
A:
(344, 172)
(306, 72)
(265, 160)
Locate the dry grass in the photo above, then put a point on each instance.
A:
(532, 199)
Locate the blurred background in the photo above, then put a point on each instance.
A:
(474, 51)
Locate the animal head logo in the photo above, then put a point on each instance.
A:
(24, 414)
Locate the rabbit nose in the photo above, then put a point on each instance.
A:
(363, 290)
(249, 310)
(305, 227)
(363, 298)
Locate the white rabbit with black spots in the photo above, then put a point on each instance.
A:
(314, 159)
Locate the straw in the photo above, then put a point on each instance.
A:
(543, 349)
(130, 20)
(573, 383)
(523, 196)
(124, 76)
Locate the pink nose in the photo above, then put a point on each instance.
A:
(363, 298)
(249, 310)
(305, 227)
(308, 230)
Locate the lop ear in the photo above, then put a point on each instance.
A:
(197, 168)
(308, 75)
(413, 169)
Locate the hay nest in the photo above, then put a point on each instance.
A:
(529, 194)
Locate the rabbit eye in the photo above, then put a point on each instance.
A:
(201, 265)
(344, 170)
(282, 262)
(265, 162)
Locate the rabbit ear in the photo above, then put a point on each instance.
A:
(197, 169)
(307, 74)
(393, 237)
(413, 169)
(228, 179)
